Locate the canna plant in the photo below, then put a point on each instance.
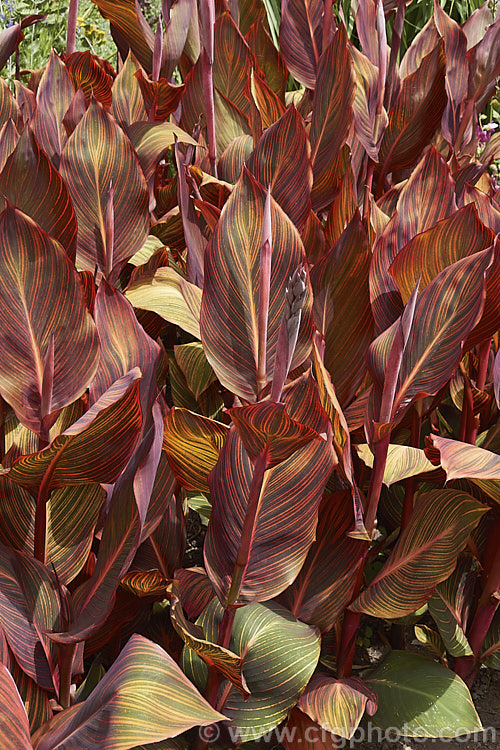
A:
(256, 276)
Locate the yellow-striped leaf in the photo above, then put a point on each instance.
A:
(14, 725)
(170, 296)
(425, 554)
(402, 462)
(139, 713)
(195, 366)
(98, 156)
(301, 38)
(229, 310)
(337, 705)
(192, 444)
(465, 460)
(133, 31)
(450, 605)
(41, 306)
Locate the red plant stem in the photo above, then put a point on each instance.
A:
(411, 482)
(66, 655)
(41, 510)
(368, 187)
(208, 93)
(467, 422)
(397, 30)
(248, 530)
(71, 34)
(483, 353)
(466, 666)
(381, 449)
(264, 291)
(350, 627)
(2, 429)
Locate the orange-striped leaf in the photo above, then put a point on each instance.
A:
(279, 655)
(32, 184)
(270, 164)
(450, 607)
(130, 29)
(291, 491)
(341, 308)
(229, 310)
(427, 197)
(193, 363)
(337, 705)
(424, 555)
(89, 76)
(98, 156)
(368, 126)
(138, 715)
(326, 581)
(416, 113)
(305, 734)
(268, 57)
(301, 39)
(127, 104)
(42, 314)
(93, 449)
(54, 95)
(192, 444)
(267, 427)
(331, 115)
(465, 460)
(445, 313)
(14, 725)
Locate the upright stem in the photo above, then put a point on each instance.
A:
(264, 291)
(350, 627)
(483, 353)
(66, 654)
(71, 35)
(41, 522)
(368, 187)
(2, 429)
(381, 450)
(467, 421)
(410, 483)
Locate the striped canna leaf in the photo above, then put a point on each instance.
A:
(464, 460)
(300, 39)
(403, 461)
(132, 32)
(90, 76)
(450, 605)
(291, 491)
(445, 313)
(35, 698)
(337, 705)
(229, 310)
(31, 183)
(192, 444)
(49, 352)
(302, 733)
(140, 714)
(47, 122)
(424, 555)
(127, 105)
(98, 155)
(279, 655)
(14, 725)
(77, 456)
(193, 363)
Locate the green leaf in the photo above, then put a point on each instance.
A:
(433, 702)
(170, 296)
(279, 655)
(337, 705)
(143, 710)
(424, 555)
(449, 607)
(98, 156)
(195, 366)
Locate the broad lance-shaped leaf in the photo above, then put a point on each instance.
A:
(130, 29)
(193, 363)
(331, 115)
(402, 462)
(445, 313)
(31, 183)
(93, 449)
(267, 427)
(14, 725)
(98, 154)
(464, 460)
(292, 491)
(127, 105)
(301, 38)
(341, 307)
(42, 315)
(279, 655)
(290, 179)
(450, 604)
(434, 703)
(151, 140)
(124, 344)
(143, 711)
(29, 605)
(192, 444)
(425, 554)
(229, 310)
(169, 295)
(326, 581)
(53, 98)
(337, 705)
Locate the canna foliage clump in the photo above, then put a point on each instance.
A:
(260, 284)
